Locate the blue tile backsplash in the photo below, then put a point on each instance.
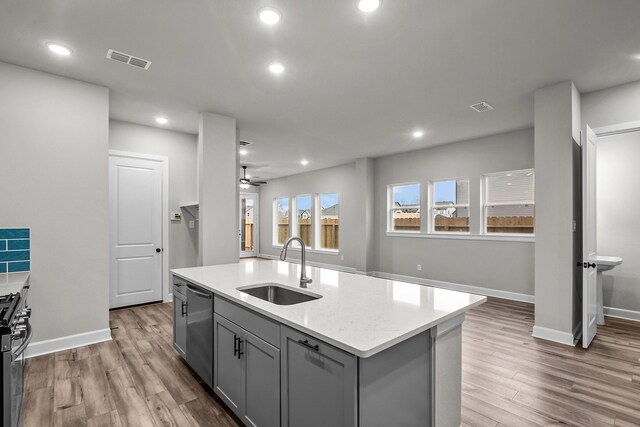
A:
(15, 254)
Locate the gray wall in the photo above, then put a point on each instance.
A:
(340, 179)
(54, 179)
(618, 226)
(180, 148)
(506, 266)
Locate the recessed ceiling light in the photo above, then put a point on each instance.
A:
(530, 173)
(269, 15)
(304, 162)
(508, 174)
(59, 49)
(368, 5)
(418, 134)
(509, 183)
(162, 120)
(276, 68)
(243, 152)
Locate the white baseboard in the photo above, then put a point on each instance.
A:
(622, 313)
(313, 263)
(39, 348)
(456, 287)
(548, 334)
(168, 298)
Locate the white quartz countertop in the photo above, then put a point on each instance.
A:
(360, 314)
(11, 283)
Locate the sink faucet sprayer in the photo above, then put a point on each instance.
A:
(304, 280)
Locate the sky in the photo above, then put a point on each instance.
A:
(445, 191)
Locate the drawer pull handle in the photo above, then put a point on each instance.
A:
(306, 343)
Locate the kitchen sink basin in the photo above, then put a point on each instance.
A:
(278, 294)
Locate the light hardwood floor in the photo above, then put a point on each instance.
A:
(509, 378)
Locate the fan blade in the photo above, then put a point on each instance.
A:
(260, 182)
(254, 184)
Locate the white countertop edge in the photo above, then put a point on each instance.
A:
(13, 282)
(360, 352)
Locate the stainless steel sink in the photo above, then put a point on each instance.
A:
(278, 294)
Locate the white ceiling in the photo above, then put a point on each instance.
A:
(356, 84)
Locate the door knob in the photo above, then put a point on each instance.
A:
(592, 265)
(158, 250)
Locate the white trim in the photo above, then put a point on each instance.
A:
(617, 129)
(168, 298)
(487, 237)
(256, 223)
(548, 334)
(622, 313)
(166, 255)
(313, 263)
(39, 348)
(456, 286)
(308, 249)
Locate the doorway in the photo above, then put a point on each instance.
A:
(248, 233)
(138, 230)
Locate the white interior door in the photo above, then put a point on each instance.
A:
(135, 208)
(589, 241)
(248, 232)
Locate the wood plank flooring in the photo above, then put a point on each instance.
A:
(509, 378)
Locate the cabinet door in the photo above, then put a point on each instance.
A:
(180, 324)
(318, 383)
(200, 332)
(261, 382)
(227, 366)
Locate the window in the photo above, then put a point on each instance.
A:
(304, 218)
(281, 223)
(329, 221)
(404, 209)
(450, 206)
(509, 202)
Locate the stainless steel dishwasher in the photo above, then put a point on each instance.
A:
(200, 332)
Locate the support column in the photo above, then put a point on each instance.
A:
(364, 261)
(217, 190)
(558, 208)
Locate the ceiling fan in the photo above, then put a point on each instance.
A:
(246, 182)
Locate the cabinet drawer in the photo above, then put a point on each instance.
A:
(179, 286)
(258, 325)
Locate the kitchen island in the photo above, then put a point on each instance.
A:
(362, 351)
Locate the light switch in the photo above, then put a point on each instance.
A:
(176, 216)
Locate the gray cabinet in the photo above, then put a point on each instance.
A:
(200, 332)
(247, 374)
(318, 383)
(179, 322)
(227, 363)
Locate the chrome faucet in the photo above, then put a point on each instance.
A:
(304, 280)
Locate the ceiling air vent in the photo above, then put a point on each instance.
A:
(245, 143)
(481, 107)
(128, 59)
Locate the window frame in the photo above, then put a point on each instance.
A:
(431, 225)
(390, 207)
(318, 221)
(274, 225)
(484, 205)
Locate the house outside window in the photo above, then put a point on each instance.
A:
(281, 222)
(329, 222)
(509, 205)
(450, 206)
(404, 207)
(304, 218)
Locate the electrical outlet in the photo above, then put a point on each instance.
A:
(341, 257)
(419, 267)
(192, 224)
